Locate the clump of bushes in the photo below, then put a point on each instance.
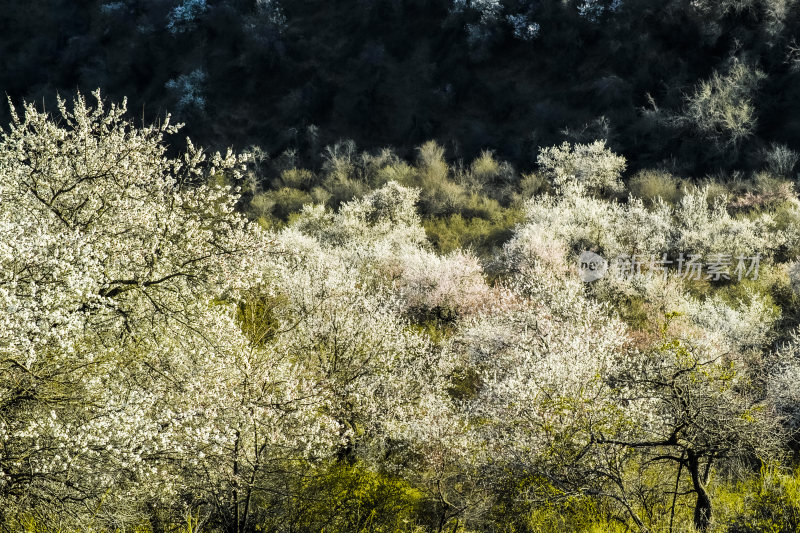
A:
(771, 503)
(650, 185)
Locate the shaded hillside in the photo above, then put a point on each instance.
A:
(510, 76)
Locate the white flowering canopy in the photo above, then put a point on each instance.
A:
(118, 353)
(591, 167)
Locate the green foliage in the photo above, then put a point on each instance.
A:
(649, 185)
(343, 498)
(532, 184)
(461, 209)
(764, 191)
(297, 178)
(485, 168)
(635, 311)
(547, 508)
(257, 317)
(438, 331)
(787, 219)
(477, 233)
(722, 108)
(771, 503)
(781, 160)
(574, 515)
(279, 204)
(773, 283)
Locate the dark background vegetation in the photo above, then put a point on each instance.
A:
(400, 72)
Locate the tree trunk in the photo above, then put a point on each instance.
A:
(236, 482)
(702, 507)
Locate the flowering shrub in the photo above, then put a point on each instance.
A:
(748, 326)
(721, 108)
(111, 254)
(591, 167)
(536, 363)
(444, 285)
(613, 228)
(616, 229)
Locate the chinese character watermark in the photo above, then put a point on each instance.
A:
(693, 267)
